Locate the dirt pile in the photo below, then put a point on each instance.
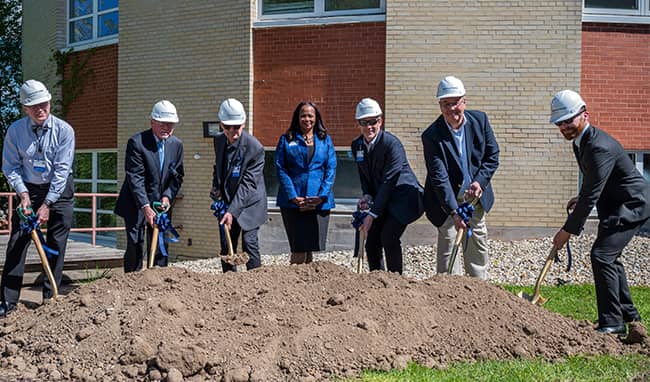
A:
(279, 323)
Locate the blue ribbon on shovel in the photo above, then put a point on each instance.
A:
(29, 223)
(465, 211)
(165, 227)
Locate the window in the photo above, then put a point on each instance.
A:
(642, 162)
(306, 11)
(92, 21)
(347, 187)
(95, 172)
(631, 11)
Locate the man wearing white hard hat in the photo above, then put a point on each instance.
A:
(461, 155)
(37, 162)
(238, 180)
(392, 195)
(612, 184)
(154, 174)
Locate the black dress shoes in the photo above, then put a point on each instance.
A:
(5, 309)
(617, 329)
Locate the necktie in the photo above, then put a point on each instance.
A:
(161, 154)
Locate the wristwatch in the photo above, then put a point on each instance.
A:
(48, 203)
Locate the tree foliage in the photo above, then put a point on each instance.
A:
(10, 66)
(10, 60)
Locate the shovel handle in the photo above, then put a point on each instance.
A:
(454, 250)
(46, 264)
(542, 275)
(362, 239)
(228, 241)
(154, 246)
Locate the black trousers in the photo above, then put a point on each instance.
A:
(136, 227)
(250, 245)
(385, 233)
(615, 306)
(58, 229)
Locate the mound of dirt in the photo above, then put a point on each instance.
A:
(279, 323)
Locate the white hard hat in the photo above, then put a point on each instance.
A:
(231, 112)
(565, 104)
(34, 92)
(164, 111)
(367, 107)
(449, 87)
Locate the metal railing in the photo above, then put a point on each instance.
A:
(93, 229)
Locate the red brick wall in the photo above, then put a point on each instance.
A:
(616, 80)
(93, 115)
(331, 65)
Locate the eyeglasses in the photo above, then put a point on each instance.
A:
(451, 105)
(369, 122)
(568, 120)
(228, 127)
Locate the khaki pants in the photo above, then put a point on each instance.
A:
(475, 248)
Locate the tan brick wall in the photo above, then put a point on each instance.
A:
(43, 32)
(512, 56)
(195, 54)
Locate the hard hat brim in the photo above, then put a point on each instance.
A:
(38, 100)
(233, 122)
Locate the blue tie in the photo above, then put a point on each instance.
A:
(161, 154)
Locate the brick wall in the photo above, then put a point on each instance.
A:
(512, 56)
(93, 115)
(195, 54)
(331, 65)
(616, 80)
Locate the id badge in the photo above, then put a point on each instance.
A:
(359, 156)
(39, 165)
(235, 171)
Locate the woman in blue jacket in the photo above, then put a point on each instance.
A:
(305, 162)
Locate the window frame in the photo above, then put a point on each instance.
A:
(613, 15)
(94, 181)
(320, 16)
(95, 40)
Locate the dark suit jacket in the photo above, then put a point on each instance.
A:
(610, 182)
(385, 174)
(248, 204)
(143, 182)
(444, 172)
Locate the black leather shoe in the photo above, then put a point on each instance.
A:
(617, 329)
(5, 309)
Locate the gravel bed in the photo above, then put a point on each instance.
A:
(512, 262)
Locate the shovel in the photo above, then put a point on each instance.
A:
(159, 208)
(459, 238)
(232, 258)
(454, 250)
(537, 298)
(361, 244)
(41, 253)
(46, 264)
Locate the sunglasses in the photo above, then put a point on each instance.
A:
(369, 122)
(568, 120)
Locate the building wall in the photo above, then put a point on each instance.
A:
(512, 56)
(93, 114)
(616, 80)
(194, 54)
(331, 65)
(43, 32)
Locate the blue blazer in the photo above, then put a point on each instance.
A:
(444, 173)
(385, 174)
(299, 176)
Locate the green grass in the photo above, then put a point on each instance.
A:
(575, 301)
(94, 275)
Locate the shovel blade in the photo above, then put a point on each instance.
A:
(235, 259)
(537, 300)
